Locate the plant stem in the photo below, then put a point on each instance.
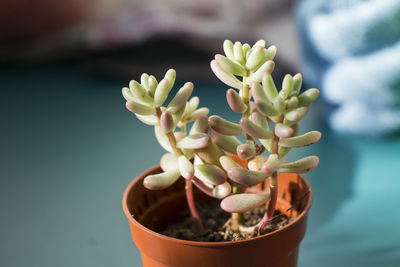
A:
(192, 205)
(237, 218)
(273, 184)
(188, 185)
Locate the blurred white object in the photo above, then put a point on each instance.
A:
(357, 44)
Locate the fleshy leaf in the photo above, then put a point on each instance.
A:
(258, 92)
(166, 122)
(162, 139)
(265, 108)
(149, 119)
(246, 177)
(161, 180)
(191, 106)
(259, 120)
(240, 203)
(171, 76)
(230, 66)
(186, 168)
(287, 85)
(228, 163)
(225, 77)
(255, 164)
(199, 126)
(301, 140)
(228, 49)
(169, 162)
(279, 104)
(210, 173)
(161, 93)
(297, 81)
(197, 114)
(257, 76)
(152, 85)
(296, 114)
(179, 101)
(283, 131)
(300, 166)
(254, 130)
(269, 87)
(246, 151)
(235, 101)
(255, 58)
(223, 126)
(238, 52)
(308, 97)
(194, 141)
(271, 165)
(144, 80)
(227, 143)
(207, 189)
(222, 190)
(293, 102)
(138, 108)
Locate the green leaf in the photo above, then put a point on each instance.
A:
(179, 101)
(227, 163)
(222, 190)
(257, 76)
(210, 174)
(169, 162)
(186, 168)
(269, 87)
(306, 98)
(161, 92)
(199, 126)
(300, 166)
(254, 130)
(301, 140)
(223, 126)
(227, 143)
(283, 131)
(139, 93)
(162, 180)
(240, 203)
(238, 52)
(271, 165)
(194, 141)
(228, 49)
(246, 177)
(246, 151)
(230, 66)
(138, 108)
(235, 102)
(224, 76)
(166, 122)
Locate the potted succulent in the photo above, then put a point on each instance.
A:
(208, 163)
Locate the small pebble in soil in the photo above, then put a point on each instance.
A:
(214, 219)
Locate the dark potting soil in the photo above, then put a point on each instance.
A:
(215, 229)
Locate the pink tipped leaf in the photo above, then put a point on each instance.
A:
(240, 203)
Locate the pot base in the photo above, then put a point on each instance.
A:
(151, 211)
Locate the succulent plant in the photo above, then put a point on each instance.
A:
(205, 156)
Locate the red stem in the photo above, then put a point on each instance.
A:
(192, 206)
(273, 185)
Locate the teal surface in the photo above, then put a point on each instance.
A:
(69, 149)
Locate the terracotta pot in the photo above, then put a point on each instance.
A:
(151, 211)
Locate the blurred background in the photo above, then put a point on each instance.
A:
(69, 148)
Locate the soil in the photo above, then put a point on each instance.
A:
(215, 229)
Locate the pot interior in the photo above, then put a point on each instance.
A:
(157, 209)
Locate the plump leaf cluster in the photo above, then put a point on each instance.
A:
(270, 122)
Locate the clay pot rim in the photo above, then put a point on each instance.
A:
(202, 243)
